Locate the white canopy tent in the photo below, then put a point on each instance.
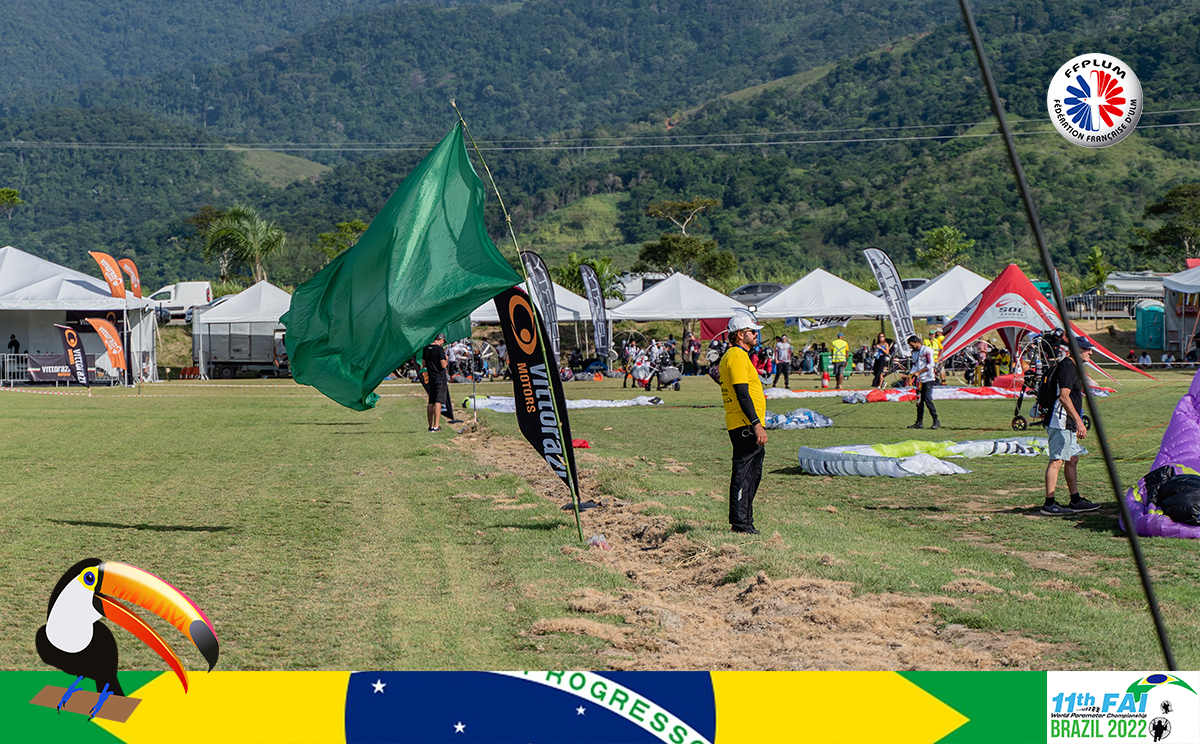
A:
(678, 297)
(1181, 296)
(571, 307)
(35, 294)
(822, 295)
(254, 312)
(947, 294)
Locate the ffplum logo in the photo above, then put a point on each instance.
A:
(1095, 100)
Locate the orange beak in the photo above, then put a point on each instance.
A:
(132, 584)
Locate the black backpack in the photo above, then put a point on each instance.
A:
(1047, 392)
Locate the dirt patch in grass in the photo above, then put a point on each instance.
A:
(692, 604)
(1079, 564)
(971, 586)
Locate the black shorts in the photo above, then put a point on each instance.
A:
(838, 367)
(439, 391)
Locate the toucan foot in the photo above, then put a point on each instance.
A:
(70, 691)
(104, 696)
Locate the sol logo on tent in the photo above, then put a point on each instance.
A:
(521, 316)
(1095, 100)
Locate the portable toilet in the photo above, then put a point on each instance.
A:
(1149, 314)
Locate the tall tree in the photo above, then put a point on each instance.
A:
(699, 258)
(10, 199)
(342, 239)
(242, 236)
(944, 248)
(1097, 267)
(568, 276)
(1179, 236)
(680, 213)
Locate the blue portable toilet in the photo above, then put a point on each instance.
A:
(1150, 317)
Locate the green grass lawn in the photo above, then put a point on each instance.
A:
(317, 537)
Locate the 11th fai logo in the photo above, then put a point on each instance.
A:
(1095, 100)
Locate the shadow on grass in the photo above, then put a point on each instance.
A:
(794, 470)
(540, 526)
(143, 526)
(1103, 524)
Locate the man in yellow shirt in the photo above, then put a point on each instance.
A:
(936, 341)
(841, 352)
(745, 410)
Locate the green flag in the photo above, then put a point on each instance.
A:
(425, 262)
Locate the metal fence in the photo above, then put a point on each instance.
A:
(1112, 305)
(14, 368)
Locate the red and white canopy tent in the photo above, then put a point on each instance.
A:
(1012, 307)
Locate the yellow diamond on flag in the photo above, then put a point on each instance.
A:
(224, 707)
(827, 708)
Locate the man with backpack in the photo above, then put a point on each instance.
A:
(1064, 429)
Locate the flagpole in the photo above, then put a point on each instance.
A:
(550, 369)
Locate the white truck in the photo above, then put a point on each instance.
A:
(177, 298)
(223, 350)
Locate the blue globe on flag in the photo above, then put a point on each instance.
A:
(1150, 681)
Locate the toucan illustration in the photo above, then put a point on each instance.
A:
(75, 641)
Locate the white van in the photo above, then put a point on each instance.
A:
(177, 298)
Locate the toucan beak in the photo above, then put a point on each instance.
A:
(132, 584)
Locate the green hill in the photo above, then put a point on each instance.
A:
(128, 200)
(793, 195)
(817, 203)
(53, 43)
(528, 69)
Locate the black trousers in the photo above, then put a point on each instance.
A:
(926, 400)
(782, 368)
(880, 367)
(747, 472)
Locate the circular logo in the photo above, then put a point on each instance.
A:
(72, 339)
(521, 316)
(1095, 100)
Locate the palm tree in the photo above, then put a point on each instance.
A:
(610, 281)
(242, 236)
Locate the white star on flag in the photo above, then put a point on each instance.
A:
(379, 684)
(580, 710)
(459, 727)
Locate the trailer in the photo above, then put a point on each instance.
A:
(242, 334)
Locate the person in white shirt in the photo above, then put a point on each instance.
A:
(783, 361)
(1144, 360)
(1168, 359)
(923, 370)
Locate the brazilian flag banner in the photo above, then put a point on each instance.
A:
(425, 262)
(580, 707)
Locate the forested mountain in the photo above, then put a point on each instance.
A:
(52, 43)
(530, 69)
(796, 198)
(792, 208)
(127, 201)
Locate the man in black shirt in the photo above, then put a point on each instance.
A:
(438, 387)
(14, 346)
(1066, 428)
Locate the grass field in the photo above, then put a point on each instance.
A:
(316, 537)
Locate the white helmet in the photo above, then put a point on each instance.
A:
(741, 321)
